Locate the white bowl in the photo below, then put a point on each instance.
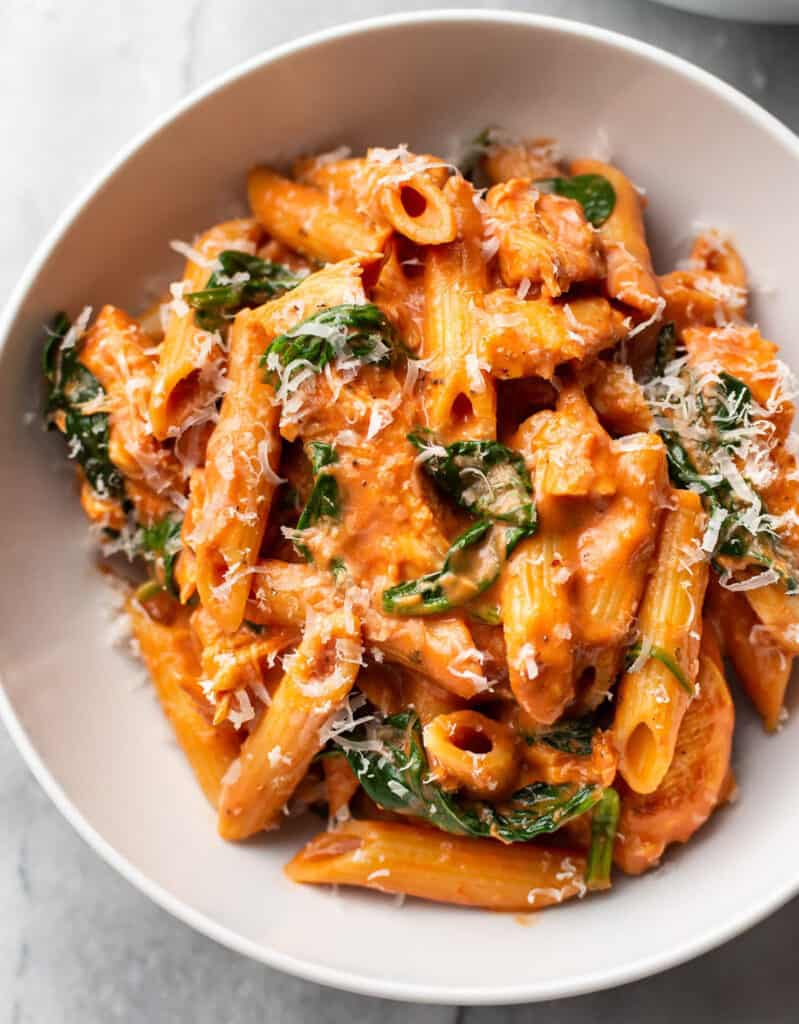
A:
(782, 11)
(78, 707)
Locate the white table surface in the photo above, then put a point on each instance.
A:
(77, 942)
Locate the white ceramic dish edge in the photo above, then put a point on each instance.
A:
(589, 981)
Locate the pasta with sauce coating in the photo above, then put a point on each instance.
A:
(426, 485)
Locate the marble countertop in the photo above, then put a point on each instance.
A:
(77, 942)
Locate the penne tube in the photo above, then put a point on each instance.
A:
(399, 858)
(779, 615)
(359, 181)
(399, 292)
(657, 689)
(419, 210)
(630, 277)
(531, 158)
(469, 750)
(172, 661)
(537, 621)
(533, 337)
(615, 548)
(190, 362)
(276, 755)
(304, 218)
(114, 350)
(239, 480)
(697, 778)
(460, 400)
(763, 667)
(243, 453)
(441, 648)
(596, 670)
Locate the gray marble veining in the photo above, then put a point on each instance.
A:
(77, 943)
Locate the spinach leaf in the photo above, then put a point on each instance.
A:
(395, 773)
(665, 658)
(483, 477)
(71, 386)
(160, 544)
(242, 280)
(593, 192)
(488, 480)
(321, 454)
(472, 563)
(604, 826)
(573, 736)
(347, 334)
(324, 501)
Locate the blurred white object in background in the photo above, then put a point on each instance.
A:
(783, 11)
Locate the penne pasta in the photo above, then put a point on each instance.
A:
(115, 351)
(304, 218)
(697, 778)
(630, 277)
(460, 400)
(442, 648)
(173, 664)
(191, 360)
(657, 689)
(763, 667)
(420, 862)
(470, 750)
(533, 158)
(276, 755)
(238, 482)
(422, 541)
(533, 337)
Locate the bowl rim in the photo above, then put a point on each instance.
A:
(589, 981)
